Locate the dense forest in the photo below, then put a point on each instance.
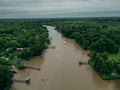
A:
(102, 37)
(20, 40)
(23, 39)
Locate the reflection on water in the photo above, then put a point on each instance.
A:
(60, 69)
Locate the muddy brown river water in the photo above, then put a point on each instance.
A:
(60, 69)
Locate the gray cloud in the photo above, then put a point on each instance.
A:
(47, 8)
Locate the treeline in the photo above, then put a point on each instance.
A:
(28, 37)
(93, 37)
(19, 40)
(102, 38)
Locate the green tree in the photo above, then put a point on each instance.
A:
(104, 44)
(6, 76)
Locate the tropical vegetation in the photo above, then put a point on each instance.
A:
(102, 37)
(20, 40)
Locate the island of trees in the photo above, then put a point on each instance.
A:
(20, 40)
(99, 35)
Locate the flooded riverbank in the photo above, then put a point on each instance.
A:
(60, 69)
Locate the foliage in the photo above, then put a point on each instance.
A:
(101, 36)
(104, 44)
(22, 38)
(93, 35)
(19, 40)
(6, 76)
(19, 64)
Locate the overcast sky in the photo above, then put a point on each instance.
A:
(58, 8)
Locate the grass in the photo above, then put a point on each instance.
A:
(115, 56)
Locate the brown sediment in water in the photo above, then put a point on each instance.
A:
(60, 69)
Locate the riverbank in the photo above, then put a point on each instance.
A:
(105, 77)
(20, 40)
(101, 40)
(60, 69)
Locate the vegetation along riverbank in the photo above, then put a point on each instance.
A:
(23, 39)
(20, 40)
(102, 37)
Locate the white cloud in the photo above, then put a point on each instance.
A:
(40, 7)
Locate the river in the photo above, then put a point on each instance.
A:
(60, 69)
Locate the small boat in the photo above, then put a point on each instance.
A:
(81, 62)
(64, 42)
(27, 80)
